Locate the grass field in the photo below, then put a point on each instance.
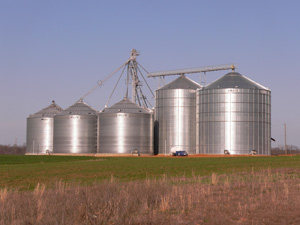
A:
(25, 172)
(149, 190)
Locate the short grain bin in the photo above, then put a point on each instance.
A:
(75, 130)
(125, 128)
(39, 133)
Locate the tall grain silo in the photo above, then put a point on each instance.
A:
(175, 116)
(234, 114)
(75, 130)
(39, 133)
(125, 127)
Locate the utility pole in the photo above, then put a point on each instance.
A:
(285, 147)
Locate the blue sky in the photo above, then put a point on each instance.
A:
(58, 50)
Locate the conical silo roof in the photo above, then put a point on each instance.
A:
(181, 82)
(235, 80)
(125, 106)
(79, 108)
(49, 111)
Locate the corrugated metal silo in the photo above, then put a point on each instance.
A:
(125, 127)
(39, 133)
(75, 130)
(175, 116)
(234, 115)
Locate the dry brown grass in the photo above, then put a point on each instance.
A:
(266, 197)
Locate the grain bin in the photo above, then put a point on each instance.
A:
(234, 116)
(75, 130)
(124, 128)
(175, 116)
(39, 133)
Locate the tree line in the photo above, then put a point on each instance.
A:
(280, 150)
(12, 149)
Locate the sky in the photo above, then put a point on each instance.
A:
(59, 49)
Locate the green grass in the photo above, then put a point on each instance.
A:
(31, 159)
(24, 172)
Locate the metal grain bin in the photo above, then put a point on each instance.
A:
(124, 128)
(175, 116)
(39, 133)
(75, 130)
(234, 116)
